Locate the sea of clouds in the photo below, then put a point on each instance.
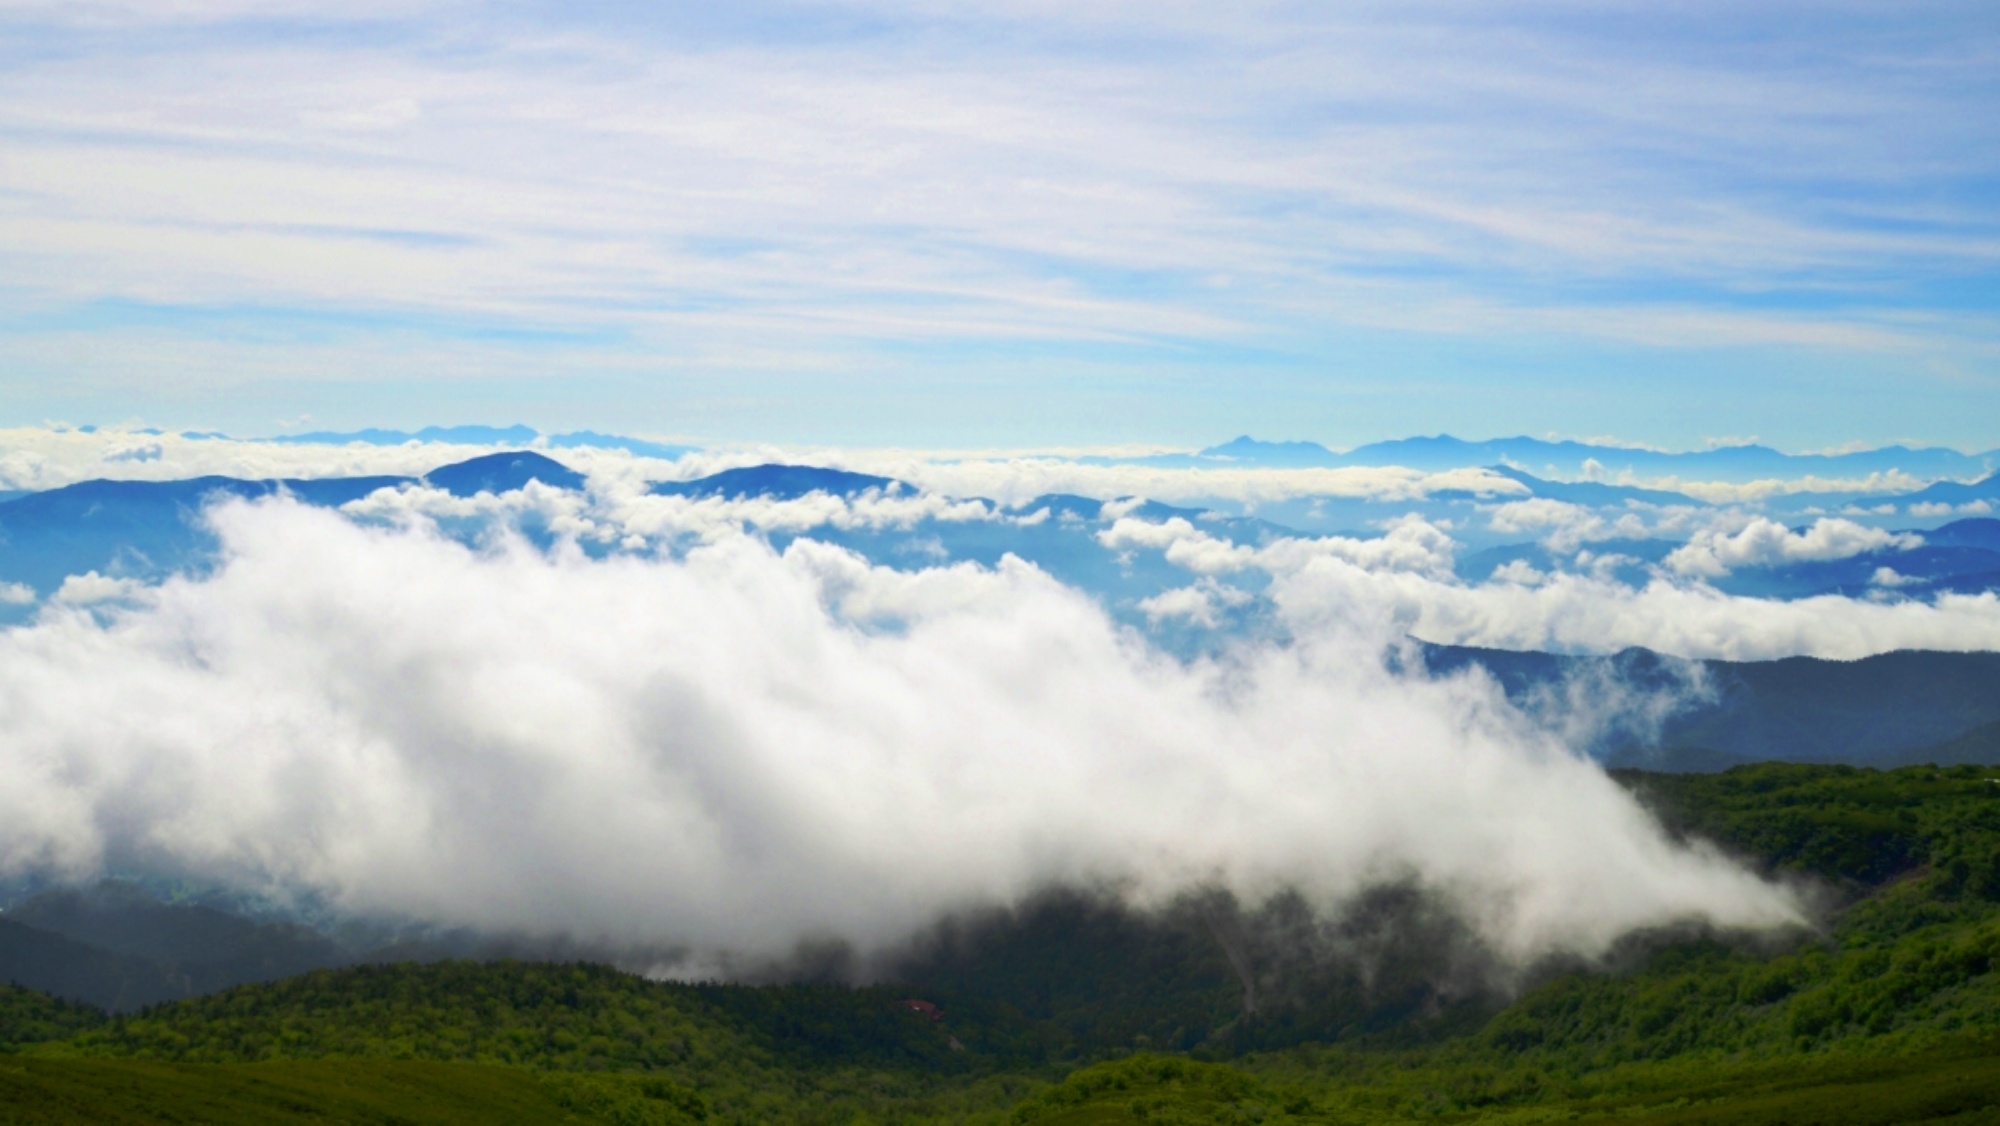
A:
(651, 727)
(738, 749)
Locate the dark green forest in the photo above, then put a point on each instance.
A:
(1071, 1010)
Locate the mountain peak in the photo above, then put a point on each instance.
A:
(782, 482)
(502, 473)
(1251, 451)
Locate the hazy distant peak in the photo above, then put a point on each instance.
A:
(1282, 454)
(516, 435)
(1591, 493)
(456, 435)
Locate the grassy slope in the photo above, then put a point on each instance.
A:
(133, 1091)
(1956, 1084)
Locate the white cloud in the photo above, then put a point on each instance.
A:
(16, 594)
(1018, 480)
(1764, 543)
(1569, 525)
(1518, 571)
(1746, 492)
(91, 588)
(1939, 508)
(1409, 545)
(147, 451)
(1403, 583)
(1593, 614)
(1200, 604)
(36, 458)
(717, 751)
(822, 188)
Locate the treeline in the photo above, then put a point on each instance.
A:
(744, 1053)
(31, 1017)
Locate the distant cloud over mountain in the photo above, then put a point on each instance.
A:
(1592, 461)
(1454, 554)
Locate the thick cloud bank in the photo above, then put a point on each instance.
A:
(739, 749)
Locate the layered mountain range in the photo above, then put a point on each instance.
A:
(1886, 710)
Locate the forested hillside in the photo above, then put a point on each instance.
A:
(1888, 1012)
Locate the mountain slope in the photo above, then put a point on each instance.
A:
(209, 949)
(1979, 745)
(63, 967)
(1872, 711)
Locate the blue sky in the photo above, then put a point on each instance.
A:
(1012, 224)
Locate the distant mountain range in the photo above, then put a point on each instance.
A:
(1560, 460)
(120, 948)
(1894, 709)
(1574, 460)
(146, 529)
(483, 436)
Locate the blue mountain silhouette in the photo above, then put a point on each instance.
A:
(1592, 494)
(503, 473)
(781, 482)
(1954, 492)
(145, 529)
(1978, 532)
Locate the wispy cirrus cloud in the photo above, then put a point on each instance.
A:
(854, 193)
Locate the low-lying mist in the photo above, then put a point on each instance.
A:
(736, 752)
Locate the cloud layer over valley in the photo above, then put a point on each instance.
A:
(739, 749)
